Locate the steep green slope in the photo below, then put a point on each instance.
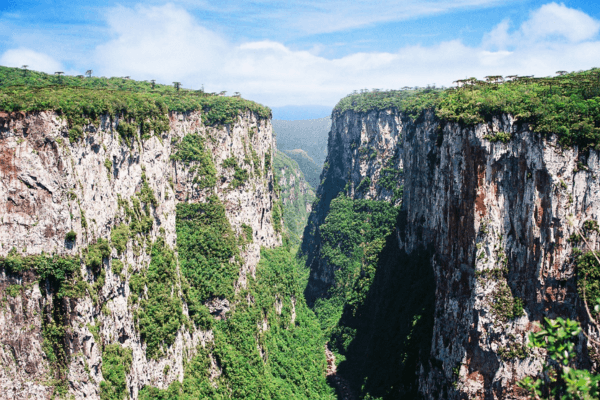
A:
(378, 313)
(307, 165)
(285, 361)
(295, 194)
(309, 135)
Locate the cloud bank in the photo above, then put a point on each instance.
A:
(168, 44)
(34, 60)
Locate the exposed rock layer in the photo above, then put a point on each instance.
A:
(49, 187)
(479, 206)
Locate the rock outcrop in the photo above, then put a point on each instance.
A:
(495, 220)
(58, 198)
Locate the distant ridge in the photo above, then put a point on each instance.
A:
(307, 165)
(309, 135)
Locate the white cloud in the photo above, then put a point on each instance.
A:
(33, 59)
(557, 19)
(159, 42)
(499, 37)
(168, 44)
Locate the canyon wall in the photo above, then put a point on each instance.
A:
(65, 201)
(491, 220)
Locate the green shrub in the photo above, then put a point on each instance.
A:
(240, 176)
(558, 338)
(277, 213)
(161, 314)
(117, 266)
(191, 151)
(364, 185)
(71, 236)
(206, 243)
(588, 275)
(116, 363)
(504, 305)
(503, 137)
(13, 290)
(127, 132)
(247, 234)
(96, 252)
(119, 237)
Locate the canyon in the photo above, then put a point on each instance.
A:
(176, 253)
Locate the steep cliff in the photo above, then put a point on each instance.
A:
(141, 250)
(491, 198)
(296, 195)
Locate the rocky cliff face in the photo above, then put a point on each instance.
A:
(66, 200)
(494, 222)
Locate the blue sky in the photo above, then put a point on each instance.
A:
(303, 52)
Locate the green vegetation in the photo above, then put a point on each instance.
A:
(13, 290)
(160, 314)
(137, 214)
(588, 274)
(256, 162)
(116, 363)
(565, 382)
(512, 350)
(240, 175)
(191, 151)
(504, 305)
(119, 237)
(284, 362)
(364, 185)
(566, 105)
(96, 252)
(117, 267)
(207, 244)
(293, 200)
(71, 236)
(247, 234)
(309, 168)
(353, 235)
(503, 137)
(63, 273)
(378, 348)
(108, 164)
(277, 213)
(267, 163)
(141, 106)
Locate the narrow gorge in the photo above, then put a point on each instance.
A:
(155, 244)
